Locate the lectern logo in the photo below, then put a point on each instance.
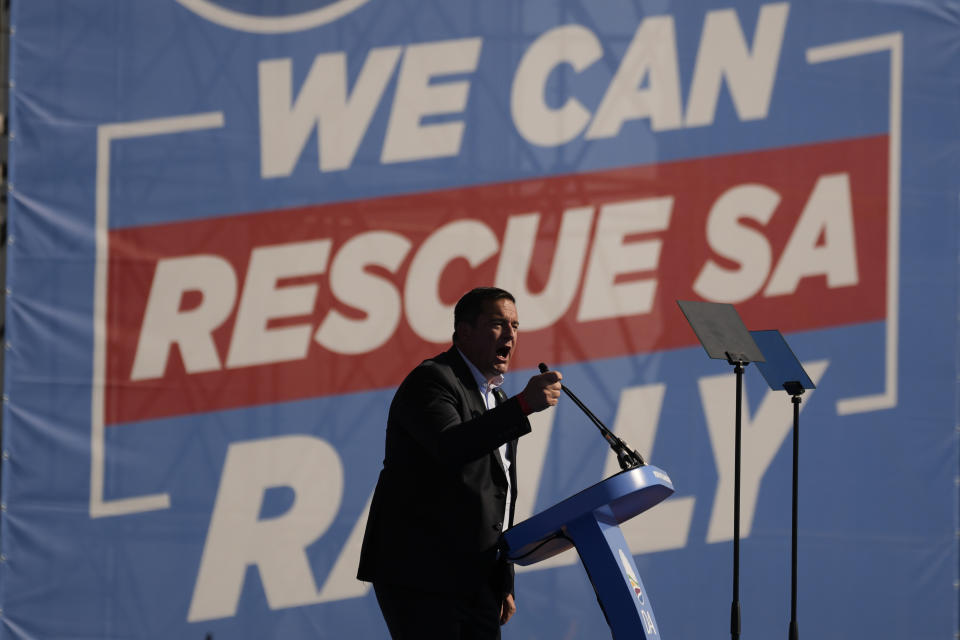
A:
(645, 614)
(631, 577)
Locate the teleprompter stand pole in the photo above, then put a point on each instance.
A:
(724, 337)
(735, 605)
(795, 389)
(783, 371)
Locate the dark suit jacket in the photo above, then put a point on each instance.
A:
(437, 511)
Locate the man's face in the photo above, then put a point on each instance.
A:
(490, 341)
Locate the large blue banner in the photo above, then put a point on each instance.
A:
(235, 225)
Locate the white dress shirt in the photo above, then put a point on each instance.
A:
(489, 400)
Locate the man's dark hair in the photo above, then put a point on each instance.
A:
(470, 305)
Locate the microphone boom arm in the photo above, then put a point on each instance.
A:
(627, 458)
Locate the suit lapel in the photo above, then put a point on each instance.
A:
(475, 401)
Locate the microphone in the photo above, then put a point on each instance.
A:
(627, 458)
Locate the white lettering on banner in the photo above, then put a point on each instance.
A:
(238, 538)
(166, 324)
(419, 95)
(342, 583)
(539, 124)
(543, 309)
(472, 240)
(646, 85)
(376, 297)
(723, 53)
(619, 279)
(261, 301)
(611, 256)
(827, 214)
(650, 62)
(341, 121)
(653, 53)
(740, 244)
(665, 527)
(760, 445)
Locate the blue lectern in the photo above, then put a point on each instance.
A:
(590, 521)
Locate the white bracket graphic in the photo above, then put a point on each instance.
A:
(892, 42)
(107, 133)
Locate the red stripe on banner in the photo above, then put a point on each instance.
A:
(281, 305)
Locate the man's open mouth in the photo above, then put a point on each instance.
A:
(503, 352)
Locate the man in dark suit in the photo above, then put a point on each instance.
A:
(448, 484)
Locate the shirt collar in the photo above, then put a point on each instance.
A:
(481, 379)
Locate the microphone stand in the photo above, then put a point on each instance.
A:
(627, 458)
